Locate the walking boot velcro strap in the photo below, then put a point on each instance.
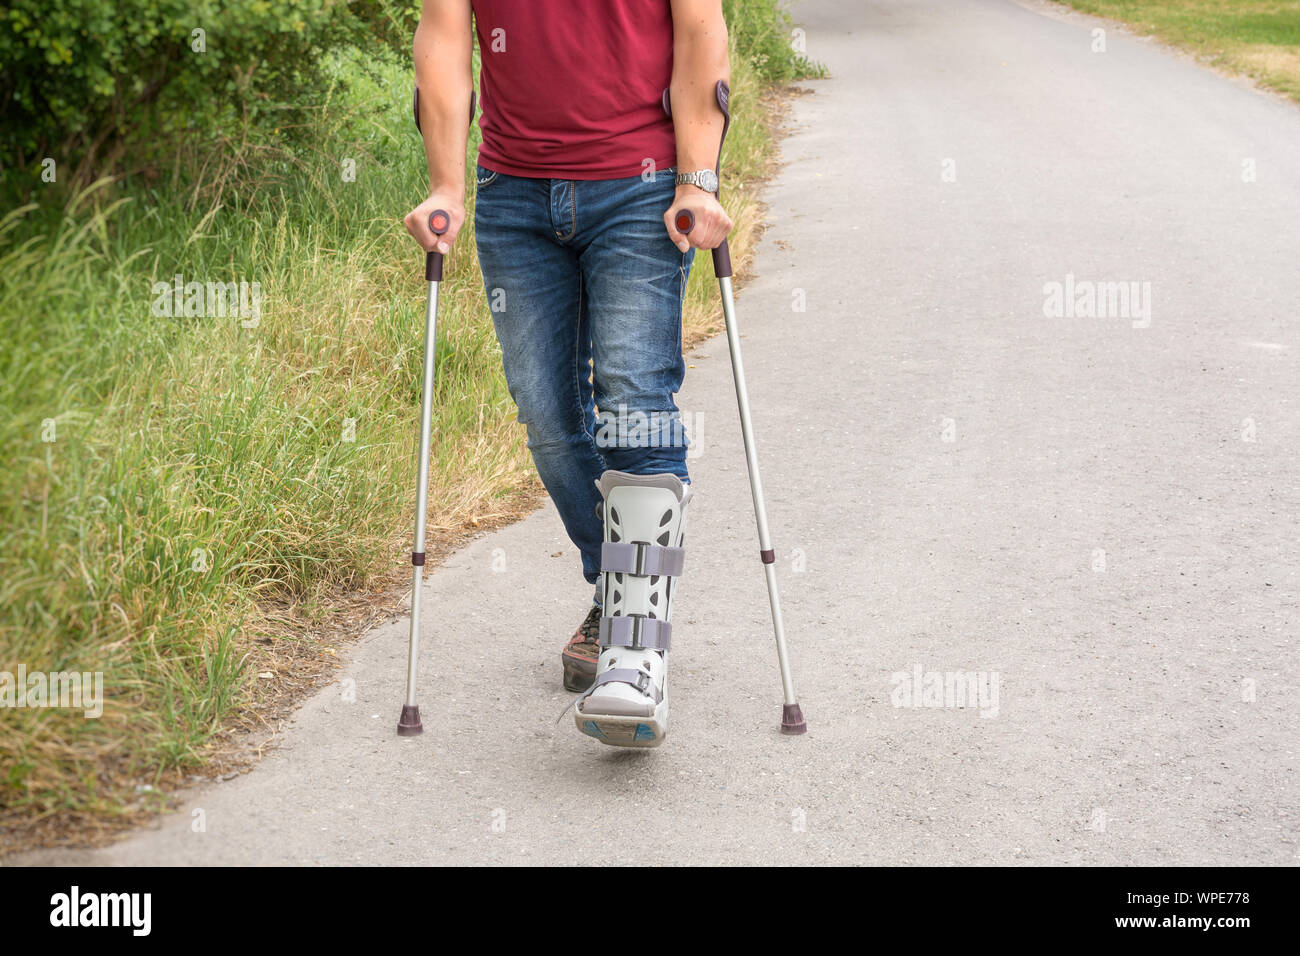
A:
(637, 632)
(639, 558)
(630, 675)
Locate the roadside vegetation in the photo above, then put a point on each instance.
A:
(1258, 38)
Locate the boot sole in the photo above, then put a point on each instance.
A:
(620, 731)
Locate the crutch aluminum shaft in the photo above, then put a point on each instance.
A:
(408, 725)
(792, 721)
(756, 485)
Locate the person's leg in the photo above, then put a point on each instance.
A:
(635, 279)
(534, 289)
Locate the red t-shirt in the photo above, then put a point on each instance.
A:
(572, 89)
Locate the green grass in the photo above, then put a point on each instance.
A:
(172, 484)
(200, 469)
(1259, 39)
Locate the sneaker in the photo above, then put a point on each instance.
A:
(581, 653)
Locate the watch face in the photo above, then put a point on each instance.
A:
(709, 180)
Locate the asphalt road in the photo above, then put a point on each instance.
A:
(1093, 512)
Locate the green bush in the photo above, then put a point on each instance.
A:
(86, 80)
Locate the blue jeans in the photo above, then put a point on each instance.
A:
(586, 290)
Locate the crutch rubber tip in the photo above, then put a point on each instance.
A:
(408, 725)
(792, 720)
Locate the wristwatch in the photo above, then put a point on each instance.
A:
(705, 179)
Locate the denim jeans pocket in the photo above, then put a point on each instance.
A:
(483, 178)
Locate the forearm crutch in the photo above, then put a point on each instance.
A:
(408, 725)
(792, 721)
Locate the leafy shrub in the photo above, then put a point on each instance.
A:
(84, 77)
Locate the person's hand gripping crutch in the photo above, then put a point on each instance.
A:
(418, 222)
(707, 223)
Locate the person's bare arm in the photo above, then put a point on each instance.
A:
(699, 61)
(443, 51)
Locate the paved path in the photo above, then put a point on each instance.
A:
(1124, 729)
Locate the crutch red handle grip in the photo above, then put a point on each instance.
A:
(685, 222)
(439, 222)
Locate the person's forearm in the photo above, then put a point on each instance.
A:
(699, 61)
(443, 51)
